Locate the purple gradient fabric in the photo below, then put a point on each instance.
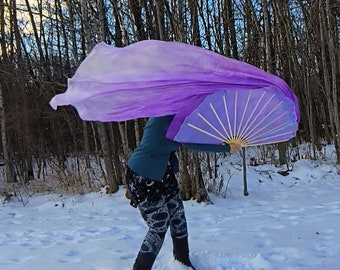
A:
(155, 78)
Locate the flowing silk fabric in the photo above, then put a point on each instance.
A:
(154, 78)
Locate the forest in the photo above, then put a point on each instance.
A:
(43, 42)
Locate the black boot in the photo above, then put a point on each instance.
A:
(144, 261)
(181, 251)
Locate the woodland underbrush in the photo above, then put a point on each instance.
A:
(72, 176)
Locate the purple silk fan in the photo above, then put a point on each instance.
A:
(155, 78)
(245, 118)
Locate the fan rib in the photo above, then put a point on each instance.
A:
(262, 140)
(265, 117)
(218, 118)
(255, 136)
(227, 115)
(206, 132)
(243, 115)
(272, 130)
(247, 131)
(210, 124)
(247, 126)
(235, 114)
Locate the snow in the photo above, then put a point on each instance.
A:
(286, 222)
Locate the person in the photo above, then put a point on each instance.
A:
(151, 180)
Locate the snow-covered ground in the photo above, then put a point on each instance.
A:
(286, 222)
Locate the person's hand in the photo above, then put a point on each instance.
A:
(234, 148)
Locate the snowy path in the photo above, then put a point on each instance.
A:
(284, 223)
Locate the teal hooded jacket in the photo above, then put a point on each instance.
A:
(150, 158)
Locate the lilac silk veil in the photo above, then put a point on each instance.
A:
(154, 78)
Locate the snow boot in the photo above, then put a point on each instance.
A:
(181, 251)
(144, 261)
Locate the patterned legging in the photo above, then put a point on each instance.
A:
(161, 206)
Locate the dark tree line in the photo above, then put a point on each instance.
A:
(43, 42)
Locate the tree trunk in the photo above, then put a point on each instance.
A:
(9, 173)
(87, 156)
(135, 9)
(118, 164)
(185, 180)
(267, 38)
(196, 39)
(111, 180)
(160, 18)
(230, 24)
(201, 192)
